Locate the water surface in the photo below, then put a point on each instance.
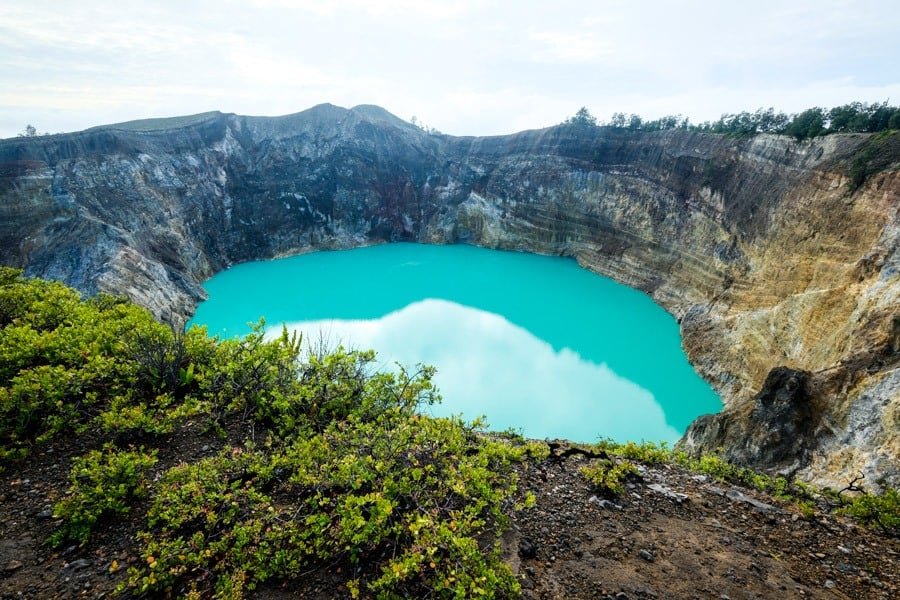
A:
(532, 342)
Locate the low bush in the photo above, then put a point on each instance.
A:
(882, 511)
(646, 452)
(608, 476)
(407, 501)
(103, 483)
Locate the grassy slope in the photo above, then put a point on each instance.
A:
(159, 124)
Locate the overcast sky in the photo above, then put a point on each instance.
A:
(473, 67)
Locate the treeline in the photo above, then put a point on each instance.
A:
(855, 117)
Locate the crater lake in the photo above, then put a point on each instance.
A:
(533, 343)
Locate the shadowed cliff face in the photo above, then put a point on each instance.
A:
(756, 245)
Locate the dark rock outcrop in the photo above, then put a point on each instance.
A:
(783, 415)
(757, 245)
(777, 433)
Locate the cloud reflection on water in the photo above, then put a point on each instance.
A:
(488, 366)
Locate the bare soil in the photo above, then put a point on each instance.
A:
(672, 534)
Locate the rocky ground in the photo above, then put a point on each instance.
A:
(675, 534)
(672, 534)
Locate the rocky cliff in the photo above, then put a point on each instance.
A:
(784, 275)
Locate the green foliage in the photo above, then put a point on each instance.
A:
(61, 359)
(877, 154)
(807, 508)
(874, 510)
(129, 417)
(856, 117)
(248, 376)
(862, 117)
(808, 124)
(407, 497)
(349, 471)
(103, 483)
(583, 118)
(710, 464)
(881, 511)
(645, 452)
(894, 121)
(608, 476)
(334, 386)
(717, 467)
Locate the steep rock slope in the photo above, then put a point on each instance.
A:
(785, 280)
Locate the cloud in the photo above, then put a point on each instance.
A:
(469, 67)
(405, 8)
(486, 365)
(570, 47)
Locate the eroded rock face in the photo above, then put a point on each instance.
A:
(757, 245)
(776, 433)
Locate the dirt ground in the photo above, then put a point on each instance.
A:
(672, 534)
(675, 534)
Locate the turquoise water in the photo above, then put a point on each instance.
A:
(531, 342)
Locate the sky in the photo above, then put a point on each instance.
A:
(464, 67)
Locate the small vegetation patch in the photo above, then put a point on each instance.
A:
(876, 155)
(645, 452)
(103, 483)
(876, 511)
(608, 476)
(873, 510)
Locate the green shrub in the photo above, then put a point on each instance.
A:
(807, 509)
(881, 511)
(608, 476)
(61, 359)
(130, 418)
(710, 464)
(249, 376)
(646, 452)
(410, 499)
(103, 483)
(719, 468)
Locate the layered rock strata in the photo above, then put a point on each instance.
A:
(785, 279)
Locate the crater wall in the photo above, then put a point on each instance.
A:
(786, 282)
